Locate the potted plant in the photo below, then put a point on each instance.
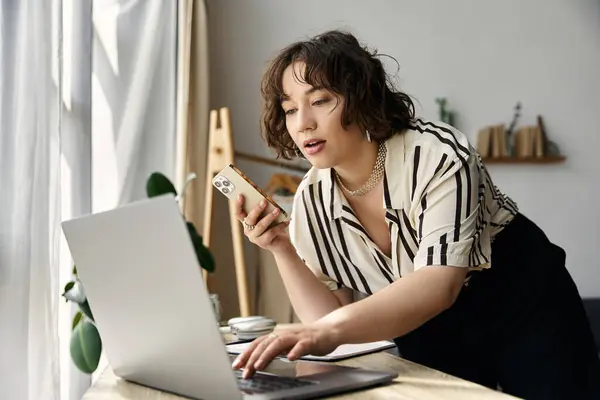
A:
(86, 343)
(445, 115)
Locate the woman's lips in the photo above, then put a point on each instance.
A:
(314, 147)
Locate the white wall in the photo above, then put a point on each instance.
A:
(484, 56)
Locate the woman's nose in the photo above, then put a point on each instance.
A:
(305, 120)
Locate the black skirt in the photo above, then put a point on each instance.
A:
(519, 325)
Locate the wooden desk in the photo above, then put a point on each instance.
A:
(414, 381)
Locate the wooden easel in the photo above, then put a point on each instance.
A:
(221, 153)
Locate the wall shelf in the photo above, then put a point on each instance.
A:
(525, 160)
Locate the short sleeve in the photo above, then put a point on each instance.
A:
(305, 248)
(451, 218)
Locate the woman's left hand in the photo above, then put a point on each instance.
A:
(296, 340)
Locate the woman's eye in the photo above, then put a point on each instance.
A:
(290, 111)
(319, 102)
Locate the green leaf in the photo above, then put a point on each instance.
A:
(86, 347)
(75, 270)
(68, 287)
(76, 319)
(85, 308)
(203, 254)
(158, 184)
(205, 258)
(192, 230)
(75, 293)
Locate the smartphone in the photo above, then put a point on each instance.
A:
(232, 182)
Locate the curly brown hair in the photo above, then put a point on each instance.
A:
(337, 62)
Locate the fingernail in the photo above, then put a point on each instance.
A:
(263, 203)
(258, 364)
(276, 211)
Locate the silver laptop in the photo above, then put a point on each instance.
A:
(158, 329)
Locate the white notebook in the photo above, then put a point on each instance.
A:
(343, 351)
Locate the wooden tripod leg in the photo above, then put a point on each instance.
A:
(237, 234)
(240, 263)
(208, 192)
(220, 154)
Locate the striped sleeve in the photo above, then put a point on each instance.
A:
(304, 236)
(451, 214)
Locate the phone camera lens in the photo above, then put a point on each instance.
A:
(218, 184)
(225, 183)
(225, 190)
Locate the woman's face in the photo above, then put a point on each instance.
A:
(313, 118)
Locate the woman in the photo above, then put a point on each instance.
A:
(402, 210)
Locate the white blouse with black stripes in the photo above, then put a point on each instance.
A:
(441, 205)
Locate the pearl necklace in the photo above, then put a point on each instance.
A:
(376, 174)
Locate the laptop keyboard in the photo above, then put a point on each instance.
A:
(262, 383)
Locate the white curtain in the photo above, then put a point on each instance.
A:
(134, 78)
(29, 201)
(45, 169)
(113, 65)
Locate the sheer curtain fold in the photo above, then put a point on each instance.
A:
(30, 202)
(134, 97)
(144, 90)
(75, 162)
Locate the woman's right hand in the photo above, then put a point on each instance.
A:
(256, 227)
